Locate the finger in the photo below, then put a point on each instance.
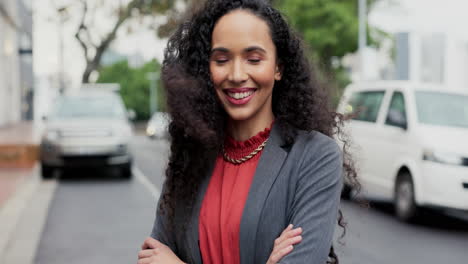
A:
(292, 233)
(288, 228)
(144, 261)
(287, 235)
(278, 255)
(281, 237)
(288, 242)
(149, 243)
(146, 253)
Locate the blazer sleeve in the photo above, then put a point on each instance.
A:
(316, 201)
(161, 230)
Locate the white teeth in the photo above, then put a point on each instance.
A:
(240, 95)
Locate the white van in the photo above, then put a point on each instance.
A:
(410, 143)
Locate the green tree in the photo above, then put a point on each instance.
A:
(95, 39)
(134, 85)
(330, 30)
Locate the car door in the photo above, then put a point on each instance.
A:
(394, 141)
(364, 109)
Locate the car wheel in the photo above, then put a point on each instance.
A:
(406, 208)
(126, 171)
(47, 172)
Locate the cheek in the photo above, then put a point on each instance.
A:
(217, 75)
(265, 76)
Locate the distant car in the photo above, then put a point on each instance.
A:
(157, 127)
(412, 144)
(88, 129)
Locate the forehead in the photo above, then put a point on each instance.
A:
(241, 28)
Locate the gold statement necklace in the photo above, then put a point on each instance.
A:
(245, 158)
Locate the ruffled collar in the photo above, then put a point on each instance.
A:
(239, 149)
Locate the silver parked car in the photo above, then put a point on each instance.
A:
(89, 129)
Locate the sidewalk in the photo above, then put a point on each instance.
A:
(19, 153)
(11, 180)
(19, 177)
(19, 145)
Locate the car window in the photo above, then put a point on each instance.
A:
(85, 106)
(364, 106)
(397, 105)
(442, 109)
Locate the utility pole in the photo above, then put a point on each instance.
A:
(153, 77)
(362, 36)
(63, 17)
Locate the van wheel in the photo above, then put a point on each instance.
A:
(406, 208)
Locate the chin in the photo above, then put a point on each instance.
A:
(239, 114)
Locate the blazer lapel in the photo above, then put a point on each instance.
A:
(267, 170)
(192, 229)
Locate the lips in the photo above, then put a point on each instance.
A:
(239, 96)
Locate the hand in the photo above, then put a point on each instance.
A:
(154, 252)
(284, 243)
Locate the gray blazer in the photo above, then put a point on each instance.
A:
(298, 184)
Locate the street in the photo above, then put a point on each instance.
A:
(102, 219)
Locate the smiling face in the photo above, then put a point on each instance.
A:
(243, 66)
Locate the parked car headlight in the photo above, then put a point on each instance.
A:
(150, 130)
(52, 135)
(443, 157)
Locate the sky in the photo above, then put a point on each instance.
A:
(390, 15)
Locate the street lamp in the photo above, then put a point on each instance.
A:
(153, 77)
(63, 13)
(362, 36)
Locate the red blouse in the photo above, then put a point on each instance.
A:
(221, 211)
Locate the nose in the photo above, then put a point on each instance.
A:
(237, 73)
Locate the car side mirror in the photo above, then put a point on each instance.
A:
(397, 118)
(131, 114)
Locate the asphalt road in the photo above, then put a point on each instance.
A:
(96, 218)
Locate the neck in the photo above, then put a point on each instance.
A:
(245, 129)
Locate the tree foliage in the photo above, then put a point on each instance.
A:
(134, 85)
(330, 30)
(95, 43)
(330, 27)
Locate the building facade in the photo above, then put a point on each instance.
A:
(16, 70)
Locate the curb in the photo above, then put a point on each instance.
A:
(22, 219)
(10, 213)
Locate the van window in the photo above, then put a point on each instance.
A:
(397, 106)
(364, 106)
(442, 109)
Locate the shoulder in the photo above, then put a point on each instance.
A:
(319, 154)
(316, 144)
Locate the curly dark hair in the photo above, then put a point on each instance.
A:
(299, 101)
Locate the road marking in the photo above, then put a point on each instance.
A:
(141, 177)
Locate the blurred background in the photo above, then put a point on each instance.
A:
(83, 128)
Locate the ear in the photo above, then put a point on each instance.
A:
(278, 72)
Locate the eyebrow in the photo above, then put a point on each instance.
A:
(249, 49)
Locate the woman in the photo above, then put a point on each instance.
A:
(251, 144)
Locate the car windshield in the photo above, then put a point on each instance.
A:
(442, 109)
(88, 107)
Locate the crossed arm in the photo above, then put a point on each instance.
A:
(154, 252)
